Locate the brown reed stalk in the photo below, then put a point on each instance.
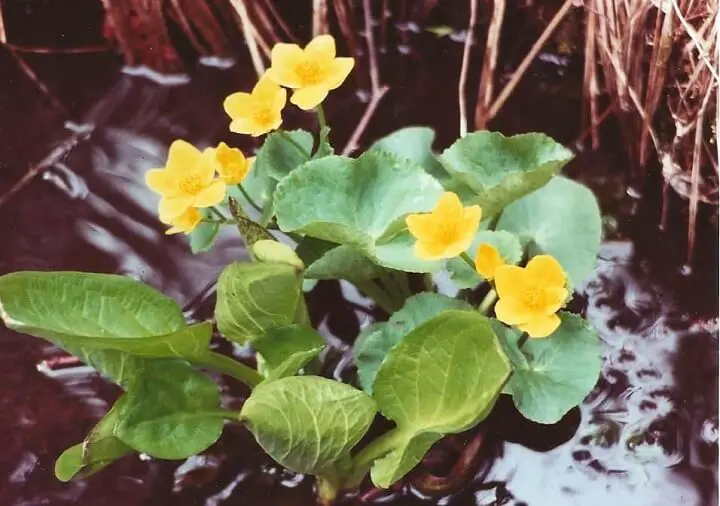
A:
(486, 87)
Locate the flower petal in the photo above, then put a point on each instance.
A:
(460, 245)
(284, 58)
(182, 156)
(186, 222)
(429, 250)
(265, 90)
(170, 208)
(546, 270)
(211, 195)
(279, 100)
(448, 207)
(509, 280)
(555, 297)
(541, 327)
(421, 225)
(310, 97)
(338, 70)
(238, 104)
(512, 312)
(161, 181)
(321, 47)
(471, 217)
(245, 126)
(487, 260)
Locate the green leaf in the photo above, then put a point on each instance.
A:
(442, 378)
(344, 262)
(203, 236)
(378, 339)
(170, 411)
(552, 375)
(502, 169)
(563, 220)
(359, 203)
(283, 152)
(250, 231)
(274, 251)
(100, 449)
(255, 297)
(507, 245)
(307, 423)
(285, 350)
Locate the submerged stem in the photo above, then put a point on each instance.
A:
(230, 367)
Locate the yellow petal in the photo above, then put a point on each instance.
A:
(471, 217)
(238, 105)
(460, 245)
(186, 222)
(421, 225)
(206, 168)
(310, 97)
(509, 280)
(170, 208)
(265, 90)
(555, 297)
(487, 260)
(321, 47)
(182, 156)
(338, 71)
(429, 250)
(279, 100)
(544, 269)
(512, 311)
(211, 195)
(284, 58)
(541, 327)
(448, 207)
(245, 126)
(161, 181)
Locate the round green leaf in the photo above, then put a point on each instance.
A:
(554, 374)
(169, 411)
(359, 203)
(308, 423)
(442, 378)
(502, 169)
(561, 219)
(378, 339)
(285, 350)
(255, 297)
(507, 245)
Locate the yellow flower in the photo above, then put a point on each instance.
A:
(185, 223)
(188, 180)
(230, 163)
(530, 296)
(258, 112)
(312, 72)
(445, 232)
(487, 260)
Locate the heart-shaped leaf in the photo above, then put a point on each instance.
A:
(378, 339)
(100, 449)
(255, 297)
(507, 245)
(308, 423)
(282, 152)
(554, 374)
(502, 169)
(359, 203)
(285, 350)
(442, 378)
(561, 219)
(170, 411)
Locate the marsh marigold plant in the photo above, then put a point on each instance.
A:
(258, 112)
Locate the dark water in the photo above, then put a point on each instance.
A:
(646, 436)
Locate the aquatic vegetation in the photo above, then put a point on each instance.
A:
(490, 211)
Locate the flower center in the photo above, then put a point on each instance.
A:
(190, 184)
(309, 72)
(534, 297)
(263, 115)
(446, 233)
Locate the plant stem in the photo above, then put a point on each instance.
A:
(218, 222)
(321, 116)
(466, 258)
(488, 301)
(523, 339)
(376, 449)
(249, 199)
(218, 213)
(230, 367)
(378, 295)
(292, 141)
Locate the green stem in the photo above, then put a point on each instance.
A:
(230, 367)
(523, 339)
(321, 116)
(377, 448)
(488, 301)
(218, 222)
(292, 141)
(218, 213)
(378, 295)
(249, 199)
(466, 258)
